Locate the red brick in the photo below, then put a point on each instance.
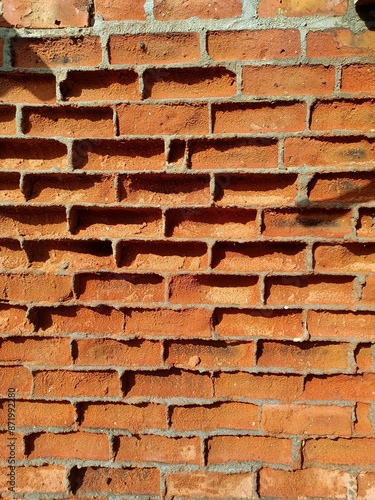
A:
(307, 483)
(341, 325)
(217, 289)
(364, 358)
(120, 10)
(363, 417)
(307, 419)
(209, 355)
(7, 120)
(158, 119)
(167, 10)
(27, 88)
(257, 44)
(16, 377)
(354, 451)
(13, 320)
(358, 78)
(56, 52)
(209, 485)
(239, 153)
(91, 352)
(340, 42)
(158, 48)
(164, 256)
(295, 8)
(134, 481)
(365, 225)
(57, 384)
(258, 257)
(40, 414)
(184, 323)
(214, 417)
(215, 222)
(309, 290)
(368, 291)
(32, 154)
(258, 323)
(147, 154)
(313, 222)
(35, 288)
(73, 445)
(333, 152)
(36, 351)
(161, 449)
(341, 188)
(10, 188)
(117, 222)
(256, 190)
(288, 80)
(189, 83)
(234, 385)
(68, 121)
(342, 115)
(223, 449)
(123, 288)
(348, 258)
(66, 320)
(123, 416)
(305, 356)
(167, 384)
(366, 485)
(101, 85)
(49, 14)
(7, 451)
(165, 189)
(244, 118)
(43, 479)
(341, 387)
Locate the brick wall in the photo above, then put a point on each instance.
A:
(187, 248)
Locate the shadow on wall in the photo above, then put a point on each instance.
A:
(366, 11)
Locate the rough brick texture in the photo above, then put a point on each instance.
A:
(187, 249)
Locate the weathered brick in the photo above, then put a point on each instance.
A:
(40, 414)
(342, 115)
(354, 451)
(36, 351)
(340, 388)
(295, 8)
(120, 10)
(13, 320)
(366, 485)
(347, 258)
(7, 120)
(357, 78)
(74, 445)
(340, 42)
(43, 479)
(28, 88)
(166, 10)
(17, 377)
(368, 291)
(10, 188)
(32, 154)
(26, 288)
(341, 325)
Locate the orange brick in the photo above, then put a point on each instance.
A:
(161, 449)
(258, 257)
(358, 78)
(305, 356)
(119, 155)
(158, 119)
(167, 10)
(363, 420)
(36, 351)
(288, 80)
(56, 52)
(366, 485)
(339, 42)
(364, 357)
(233, 385)
(307, 483)
(16, 377)
(215, 222)
(239, 153)
(68, 121)
(7, 120)
(191, 83)
(258, 323)
(341, 325)
(35, 288)
(28, 88)
(342, 115)
(43, 479)
(57, 384)
(257, 44)
(123, 416)
(32, 154)
(135, 481)
(209, 485)
(223, 449)
(184, 323)
(13, 320)
(10, 188)
(114, 353)
(102, 85)
(307, 419)
(244, 118)
(341, 387)
(365, 225)
(40, 414)
(121, 10)
(49, 14)
(348, 258)
(295, 8)
(209, 355)
(125, 288)
(215, 417)
(165, 189)
(341, 188)
(368, 291)
(200, 289)
(167, 384)
(8, 450)
(158, 48)
(312, 222)
(329, 152)
(74, 445)
(354, 451)
(164, 256)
